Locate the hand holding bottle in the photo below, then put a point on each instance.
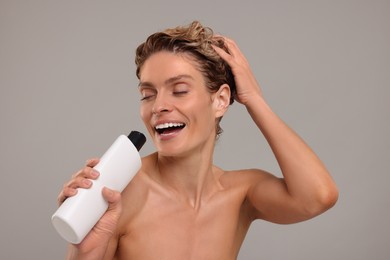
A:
(82, 208)
(96, 241)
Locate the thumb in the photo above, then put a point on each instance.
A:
(109, 220)
(113, 198)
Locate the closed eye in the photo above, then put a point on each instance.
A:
(147, 93)
(180, 92)
(146, 97)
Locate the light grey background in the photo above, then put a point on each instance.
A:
(68, 89)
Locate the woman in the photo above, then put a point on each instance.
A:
(180, 205)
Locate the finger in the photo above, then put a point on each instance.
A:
(227, 41)
(65, 193)
(224, 37)
(223, 54)
(70, 188)
(80, 179)
(231, 44)
(79, 182)
(87, 172)
(113, 198)
(91, 173)
(92, 162)
(233, 48)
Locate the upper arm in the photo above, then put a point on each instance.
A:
(271, 201)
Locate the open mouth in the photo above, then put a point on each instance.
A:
(168, 128)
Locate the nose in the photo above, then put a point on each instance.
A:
(161, 105)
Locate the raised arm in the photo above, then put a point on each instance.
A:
(306, 188)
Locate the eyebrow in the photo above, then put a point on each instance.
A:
(166, 82)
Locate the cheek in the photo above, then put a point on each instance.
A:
(203, 113)
(143, 111)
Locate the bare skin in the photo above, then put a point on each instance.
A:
(165, 225)
(180, 205)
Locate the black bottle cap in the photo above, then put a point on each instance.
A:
(137, 138)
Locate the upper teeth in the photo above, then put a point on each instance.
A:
(166, 125)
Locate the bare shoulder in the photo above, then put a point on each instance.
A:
(246, 180)
(246, 177)
(242, 182)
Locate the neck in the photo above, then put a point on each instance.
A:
(191, 177)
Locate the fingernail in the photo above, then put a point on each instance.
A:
(87, 182)
(94, 173)
(109, 191)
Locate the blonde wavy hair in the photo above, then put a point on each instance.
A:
(196, 41)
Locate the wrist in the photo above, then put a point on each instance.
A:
(255, 102)
(76, 253)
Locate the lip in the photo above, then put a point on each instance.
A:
(170, 134)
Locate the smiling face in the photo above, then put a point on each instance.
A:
(176, 107)
(196, 41)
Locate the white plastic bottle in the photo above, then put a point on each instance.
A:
(78, 214)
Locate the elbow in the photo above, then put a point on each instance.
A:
(329, 198)
(326, 198)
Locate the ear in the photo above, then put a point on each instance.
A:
(221, 100)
